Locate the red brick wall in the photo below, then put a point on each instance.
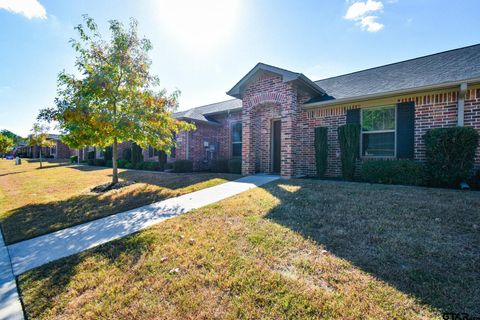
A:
(218, 135)
(472, 116)
(268, 98)
(431, 111)
(63, 151)
(331, 118)
(257, 112)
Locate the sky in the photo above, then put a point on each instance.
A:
(203, 48)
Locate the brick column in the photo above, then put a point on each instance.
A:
(289, 113)
(248, 143)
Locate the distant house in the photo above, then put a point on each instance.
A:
(58, 151)
(270, 123)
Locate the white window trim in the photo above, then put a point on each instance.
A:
(379, 131)
(231, 139)
(53, 148)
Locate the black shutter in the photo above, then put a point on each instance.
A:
(405, 130)
(353, 116)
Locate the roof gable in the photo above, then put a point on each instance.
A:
(287, 76)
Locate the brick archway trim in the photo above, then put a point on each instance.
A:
(267, 97)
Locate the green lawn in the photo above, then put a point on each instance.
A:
(296, 249)
(36, 201)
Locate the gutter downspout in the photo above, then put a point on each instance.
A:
(461, 104)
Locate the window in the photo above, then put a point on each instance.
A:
(237, 139)
(152, 152)
(378, 132)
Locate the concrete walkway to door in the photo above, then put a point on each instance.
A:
(35, 252)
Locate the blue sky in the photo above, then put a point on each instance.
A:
(204, 47)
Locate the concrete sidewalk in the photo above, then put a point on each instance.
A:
(35, 252)
(10, 306)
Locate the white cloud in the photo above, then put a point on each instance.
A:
(29, 8)
(369, 24)
(359, 11)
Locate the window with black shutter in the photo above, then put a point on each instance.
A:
(378, 131)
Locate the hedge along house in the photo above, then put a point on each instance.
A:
(270, 124)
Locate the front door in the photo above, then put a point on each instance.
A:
(276, 145)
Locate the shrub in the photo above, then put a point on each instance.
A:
(122, 163)
(128, 165)
(137, 155)
(91, 155)
(321, 150)
(349, 140)
(450, 154)
(235, 166)
(91, 162)
(108, 163)
(407, 172)
(150, 165)
(220, 165)
(99, 162)
(127, 154)
(73, 159)
(183, 166)
(168, 165)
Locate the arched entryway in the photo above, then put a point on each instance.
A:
(267, 130)
(270, 98)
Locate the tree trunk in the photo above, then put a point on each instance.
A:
(41, 158)
(114, 162)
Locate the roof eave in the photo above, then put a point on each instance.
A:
(198, 120)
(223, 111)
(388, 93)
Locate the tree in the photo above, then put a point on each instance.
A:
(39, 138)
(116, 99)
(6, 144)
(16, 138)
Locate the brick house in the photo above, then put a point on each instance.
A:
(58, 151)
(270, 123)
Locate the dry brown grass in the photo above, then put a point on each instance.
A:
(37, 201)
(294, 249)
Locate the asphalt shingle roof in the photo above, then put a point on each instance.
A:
(202, 113)
(454, 65)
(444, 67)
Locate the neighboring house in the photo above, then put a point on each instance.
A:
(58, 151)
(270, 125)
